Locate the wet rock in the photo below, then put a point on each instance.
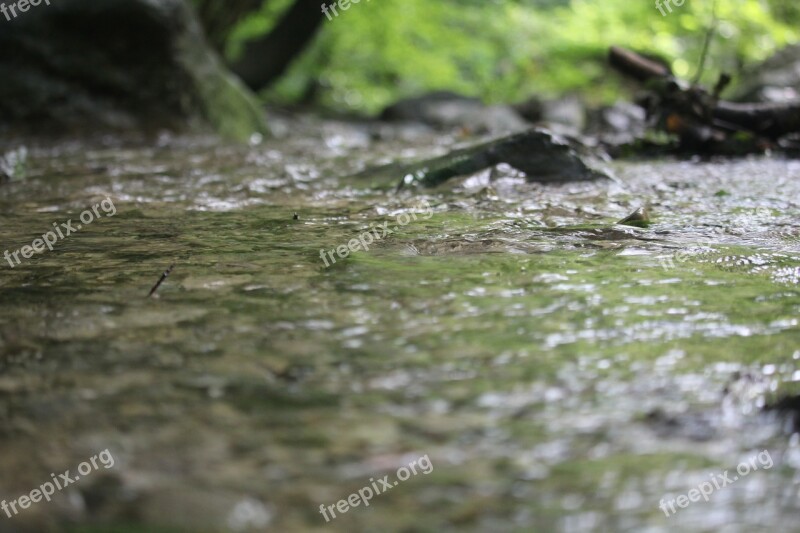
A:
(84, 67)
(531, 109)
(13, 164)
(639, 218)
(620, 123)
(787, 409)
(542, 155)
(446, 110)
(775, 80)
(417, 108)
(564, 115)
(567, 114)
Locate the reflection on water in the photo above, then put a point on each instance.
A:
(557, 372)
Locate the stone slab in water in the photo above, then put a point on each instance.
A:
(542, 155)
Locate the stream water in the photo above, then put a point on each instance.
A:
(558, 371)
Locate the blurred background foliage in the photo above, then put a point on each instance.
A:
(506, 50)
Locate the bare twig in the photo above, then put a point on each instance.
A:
(712, 27)
(723, 81)
(160, 280)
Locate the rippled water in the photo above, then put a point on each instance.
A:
(562, 373)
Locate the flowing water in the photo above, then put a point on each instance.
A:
(560, 372)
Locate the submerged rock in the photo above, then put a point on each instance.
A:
(85, 67)
(446, 110)
(693, 426)
(542, 155)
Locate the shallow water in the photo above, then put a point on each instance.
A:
(561, 373)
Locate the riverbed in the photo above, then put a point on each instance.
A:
(560, 372)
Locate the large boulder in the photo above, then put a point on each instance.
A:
(72, 67)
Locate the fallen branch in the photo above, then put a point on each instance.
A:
(636, 66)
(698, 115)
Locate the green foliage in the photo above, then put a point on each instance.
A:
(506, 50)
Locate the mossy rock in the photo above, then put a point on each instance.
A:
(78, 67)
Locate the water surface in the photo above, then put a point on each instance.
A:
(562, 373)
